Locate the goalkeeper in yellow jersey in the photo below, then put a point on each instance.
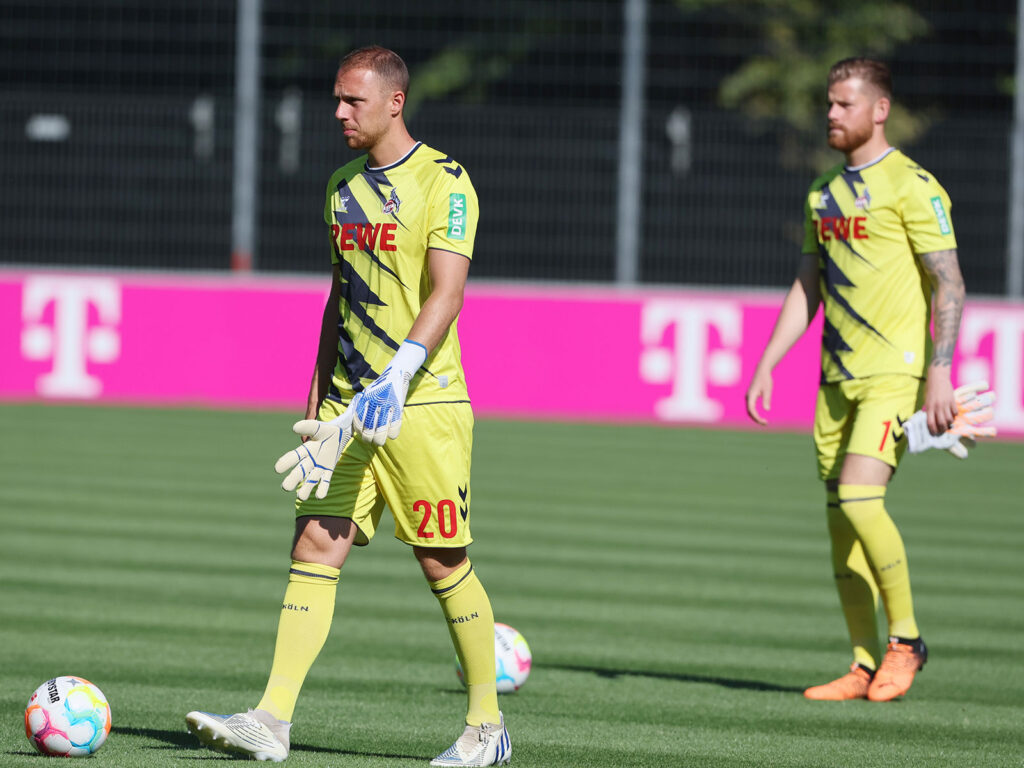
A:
(388, 420)
(879, 252)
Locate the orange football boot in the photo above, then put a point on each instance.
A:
(853, 685)
(896, 672)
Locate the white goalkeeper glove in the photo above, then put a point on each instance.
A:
(974, 409)
(313, 462)
(378, 408)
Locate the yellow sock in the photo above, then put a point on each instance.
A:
(864, 507)
(306, 616)
(858, 593)
(471, 624)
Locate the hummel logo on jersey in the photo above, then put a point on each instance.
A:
(916, 168)
(463, 508)
(393, 203)
(902, 434)
(455, 170)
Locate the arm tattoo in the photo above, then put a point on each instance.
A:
(943, 269)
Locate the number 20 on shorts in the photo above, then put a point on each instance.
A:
(447, 518)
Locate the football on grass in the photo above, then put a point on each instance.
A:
(512, 659)
(67, 717)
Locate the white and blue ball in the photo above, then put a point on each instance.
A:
(512, 659)
(67, 717)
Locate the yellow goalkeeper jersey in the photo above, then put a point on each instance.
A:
(867, 224)
(381, 223)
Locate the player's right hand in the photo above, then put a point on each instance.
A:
(940, 399)
(760, 389)
(313, 462)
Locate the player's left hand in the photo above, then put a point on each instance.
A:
(313, 462)
(378, 408)
(974, 410)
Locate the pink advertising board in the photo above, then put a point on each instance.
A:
(577, 353)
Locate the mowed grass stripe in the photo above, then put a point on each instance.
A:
(674, 585)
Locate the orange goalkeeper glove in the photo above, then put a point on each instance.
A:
(974, 409)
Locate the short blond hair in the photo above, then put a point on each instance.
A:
(870, 71)
(383, 62)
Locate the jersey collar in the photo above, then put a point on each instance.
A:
(868, 164)
(398, 162)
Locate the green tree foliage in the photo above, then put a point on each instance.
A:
(465, 68)
(781, 86)
(477, 58)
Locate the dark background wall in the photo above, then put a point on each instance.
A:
(524, 93)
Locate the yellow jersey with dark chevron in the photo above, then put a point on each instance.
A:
(868, 224)
(381, 222)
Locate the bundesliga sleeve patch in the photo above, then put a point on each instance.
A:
(940, 215)
(457, 216)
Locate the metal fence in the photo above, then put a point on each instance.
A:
(117, 132)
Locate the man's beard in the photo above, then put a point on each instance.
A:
(847, 140)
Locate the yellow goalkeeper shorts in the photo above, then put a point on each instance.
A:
(422, 476)
(864, 416)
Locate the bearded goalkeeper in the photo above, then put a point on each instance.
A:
(879, 252)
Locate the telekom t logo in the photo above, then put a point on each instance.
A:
(1003, 366)
(70, 341)
(687, 361)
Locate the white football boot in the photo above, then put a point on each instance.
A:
(256, 734)
(486, 744)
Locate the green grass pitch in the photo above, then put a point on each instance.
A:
(674, 585)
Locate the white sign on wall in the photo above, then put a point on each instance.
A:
(75, 336)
